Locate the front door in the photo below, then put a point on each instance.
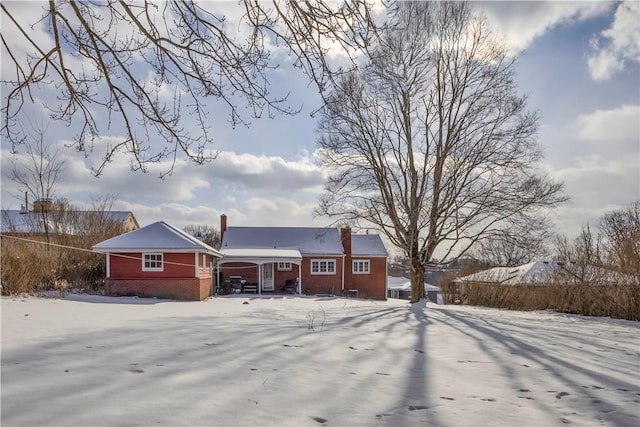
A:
(267, 277)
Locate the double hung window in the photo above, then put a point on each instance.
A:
(323, 266)
(361, 266)
(152, 262)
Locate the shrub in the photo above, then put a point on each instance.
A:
(616, 301)
(25, 267)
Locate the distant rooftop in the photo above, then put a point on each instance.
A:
(17, 221)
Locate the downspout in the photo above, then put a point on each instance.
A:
(344, 260)
(195, 254)
(108, 265)
(218, 264)
(386, 279)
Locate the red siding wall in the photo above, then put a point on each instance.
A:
(176, 281)
(129, 266)
(248, 272)
(312, 284)
(372, 285)
(320, 283)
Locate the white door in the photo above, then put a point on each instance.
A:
(267, 277)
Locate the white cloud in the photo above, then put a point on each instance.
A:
(260, 172)
(614, 133)
(596, 186)
(618, 44)
(522, 22)
(177, 214)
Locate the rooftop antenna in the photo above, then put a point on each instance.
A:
(25, 209)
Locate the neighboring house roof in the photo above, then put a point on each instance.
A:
(17, 221)
(404, 284)
(542, 273)
(158, 236)
(533, 273)
(369, 245)
(307, 240)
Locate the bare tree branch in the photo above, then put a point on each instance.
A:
(147, 69)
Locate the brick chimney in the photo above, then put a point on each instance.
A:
(223, 226)
(345, 237)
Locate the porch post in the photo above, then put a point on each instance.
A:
(196, 265)
(260, 273)
(218, 264)
(299, 287)
(108, 265)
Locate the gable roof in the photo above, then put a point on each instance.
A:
(367, 245)
(404, 284)
(308, 240)
(159, 236)
(533, 273)
(17, 221)
(545, 272)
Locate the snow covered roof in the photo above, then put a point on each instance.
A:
(533, 273)
(404, 284)
(261, 256)
(158, 236)
(307, 240)
(544, 272)
(17, 221)
(367, 245)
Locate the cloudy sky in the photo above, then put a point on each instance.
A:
(579, 65)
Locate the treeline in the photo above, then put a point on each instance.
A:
(52, 250)
(612, 249)
(619, 301)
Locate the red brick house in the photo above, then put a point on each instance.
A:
(159, 260)
(306, 260)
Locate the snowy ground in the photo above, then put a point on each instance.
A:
(94, 361)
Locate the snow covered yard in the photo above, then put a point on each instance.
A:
(304, 361)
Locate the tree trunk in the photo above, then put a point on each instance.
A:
(417, 280)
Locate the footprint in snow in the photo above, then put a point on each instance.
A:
(561, 394)
(416, 407)
(319, 420)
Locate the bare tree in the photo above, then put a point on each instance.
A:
(38, 171)
(112, 63)
(429, 141)
(620, 230)
(515, 246)
(206, 233)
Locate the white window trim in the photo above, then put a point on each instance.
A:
(282, 266)
(324, 273)
(144, 258)
(364, 262)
